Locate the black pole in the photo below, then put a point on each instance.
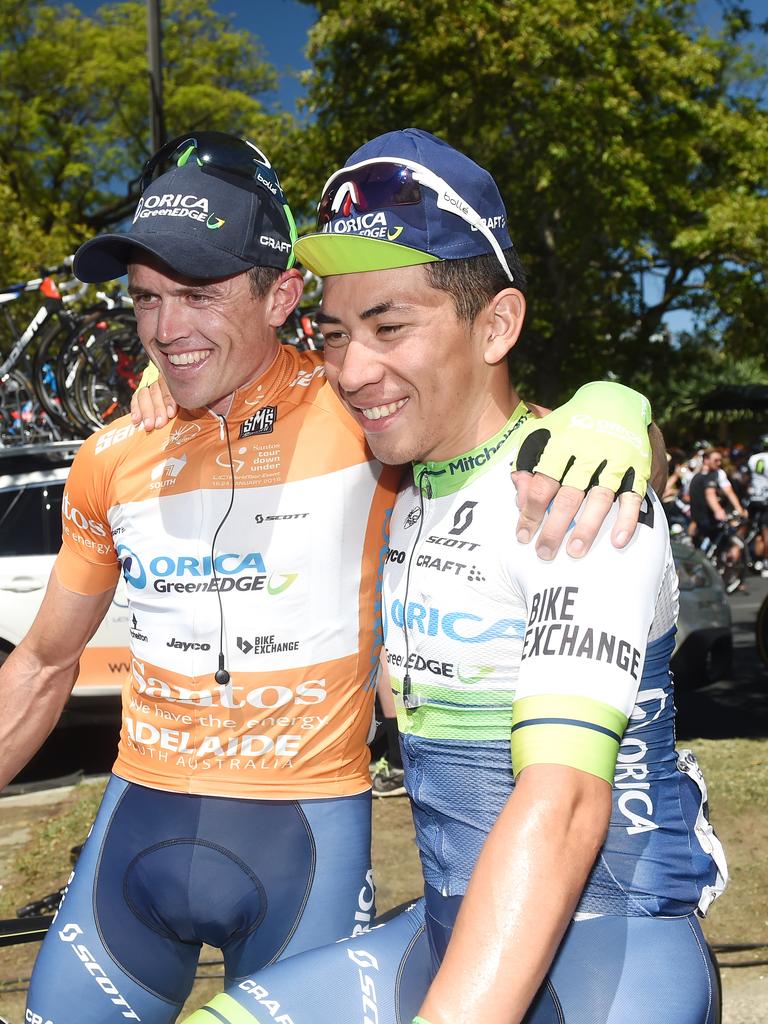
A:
(155, 58)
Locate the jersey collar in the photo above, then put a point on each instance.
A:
(441, 478)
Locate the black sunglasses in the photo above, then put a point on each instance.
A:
(224, 156)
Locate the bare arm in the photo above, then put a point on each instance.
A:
(384, 689)
(659, 464)
(735, 504)
(38, 676)
(717, 510)
(521, 897)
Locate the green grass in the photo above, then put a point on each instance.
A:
(736, 770)
(46, 859)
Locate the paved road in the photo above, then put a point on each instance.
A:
(738, 705)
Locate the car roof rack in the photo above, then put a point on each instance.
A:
(16, 458)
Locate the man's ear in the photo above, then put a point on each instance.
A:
(284, 296)
(504, 318)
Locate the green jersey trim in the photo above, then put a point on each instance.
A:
(468, 698)
(438, 723)
(227, 1007)
(442, 478)
(561, 729)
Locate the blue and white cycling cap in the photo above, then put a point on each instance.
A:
(404, 199)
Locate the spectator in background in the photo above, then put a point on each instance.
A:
(673, 500)
(737, 471)
(758, 499)
(707, 512)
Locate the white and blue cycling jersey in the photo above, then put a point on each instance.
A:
(499, 660)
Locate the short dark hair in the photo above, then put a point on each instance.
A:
(473, 282)
(261, 280)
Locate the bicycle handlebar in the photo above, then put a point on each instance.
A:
(34, 283)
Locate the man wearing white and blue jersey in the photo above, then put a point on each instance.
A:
(564, 843)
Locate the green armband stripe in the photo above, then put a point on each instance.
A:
(574, 731)
(223, 1009)
(420, 1020)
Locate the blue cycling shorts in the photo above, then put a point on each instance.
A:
(162, 873)
(608, 970)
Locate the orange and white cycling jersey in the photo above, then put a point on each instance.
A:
(289, 579)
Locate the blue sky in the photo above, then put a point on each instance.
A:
(281, 25)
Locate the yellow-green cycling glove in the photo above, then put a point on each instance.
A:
(599, 437)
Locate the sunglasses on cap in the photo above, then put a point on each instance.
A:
(215, 153)
(382, 183)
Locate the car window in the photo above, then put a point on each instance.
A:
(30, 519)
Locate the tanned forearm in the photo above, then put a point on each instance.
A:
(734, 502)
(38, 676)
(32, 697)
(521, 897)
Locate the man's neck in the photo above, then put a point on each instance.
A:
(448, 475)
(223, 406)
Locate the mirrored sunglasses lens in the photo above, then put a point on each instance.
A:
(376, 187)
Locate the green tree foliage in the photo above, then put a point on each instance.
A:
(74, 111)
(630, 146)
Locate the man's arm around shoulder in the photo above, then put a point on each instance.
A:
(521, 897)
(39, 674)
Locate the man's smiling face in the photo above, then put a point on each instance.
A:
(410, 372)
(207, 338)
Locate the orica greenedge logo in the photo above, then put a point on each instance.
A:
(177, 204)
(187, 573)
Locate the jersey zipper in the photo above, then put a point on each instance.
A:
(411, 700)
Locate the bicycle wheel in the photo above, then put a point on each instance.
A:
(761, 631)
(731, 572)
(22, 419)
(45, 380)
(107, 369)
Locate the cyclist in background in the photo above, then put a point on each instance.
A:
(708, 515)
(250, 530)
(758, 499)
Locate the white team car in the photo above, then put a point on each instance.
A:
(704, 642)
(31, 490)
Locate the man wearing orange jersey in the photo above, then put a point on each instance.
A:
(250, 530)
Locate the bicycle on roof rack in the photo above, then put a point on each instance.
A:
(67, 371)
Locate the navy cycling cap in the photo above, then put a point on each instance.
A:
(403, 199)
(200, 225)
